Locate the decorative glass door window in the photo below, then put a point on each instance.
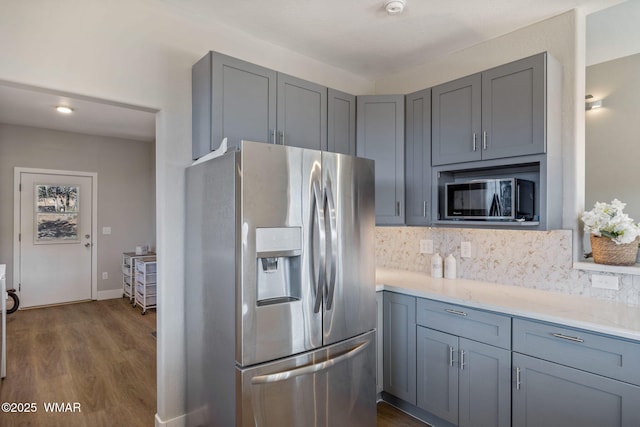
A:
(56, 216)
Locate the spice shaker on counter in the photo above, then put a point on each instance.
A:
(450, 267)
(436, 266)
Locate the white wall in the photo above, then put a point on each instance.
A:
(612, 169)
(140, 52)
(561, 36)
(126, 188)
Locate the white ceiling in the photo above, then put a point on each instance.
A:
(355, 35)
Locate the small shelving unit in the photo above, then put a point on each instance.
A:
(145, 283)
(128, 273)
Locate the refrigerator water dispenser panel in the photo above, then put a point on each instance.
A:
(278, 253)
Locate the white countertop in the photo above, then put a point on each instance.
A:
(571, 310)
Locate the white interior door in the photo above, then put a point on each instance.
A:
(56, 240)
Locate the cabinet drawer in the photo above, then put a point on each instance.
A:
(477, 325)
(607, 356)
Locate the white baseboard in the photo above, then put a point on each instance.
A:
(110, 294)
(180, 421)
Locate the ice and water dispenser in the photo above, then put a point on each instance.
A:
(278, 253)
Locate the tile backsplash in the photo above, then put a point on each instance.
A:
(531, 259)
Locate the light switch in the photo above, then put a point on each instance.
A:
(605, 282)
(465, 249)
(106, 230)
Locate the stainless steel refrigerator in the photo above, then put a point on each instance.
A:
(280, 303)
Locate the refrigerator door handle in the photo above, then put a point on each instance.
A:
(334, 245)
(321, 278)
(309, 369)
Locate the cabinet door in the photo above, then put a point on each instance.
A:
(418, 158)
(399, 346)
(380, 136)
(231, 98)
(485, 385)
(341, 122)
(437, 373)
(551, 395)
(456, 124)
(513, 109)
(302, 113)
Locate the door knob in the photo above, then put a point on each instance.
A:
(87, 245)
(86, 236)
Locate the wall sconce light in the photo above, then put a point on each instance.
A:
(590, 105)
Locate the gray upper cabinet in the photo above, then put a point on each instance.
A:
(380, 137)
(456, 121)
(231, 98)
(495, 114)
(399, 346)
(302, 113)
(418, 158)
(513, 109)
(341, 122)
(238, 100)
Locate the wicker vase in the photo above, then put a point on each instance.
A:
(606, 251)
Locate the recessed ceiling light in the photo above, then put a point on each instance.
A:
(394, 7)
(64, 110)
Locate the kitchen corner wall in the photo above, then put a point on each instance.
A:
(531, 259)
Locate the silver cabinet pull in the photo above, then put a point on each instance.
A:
(451, 351)
(462, 360)
(475, 147)
(272, 136)
(456, 312)
(518, 382)
(484, 140)
(397, 208)
(424, 208)
(568, 338)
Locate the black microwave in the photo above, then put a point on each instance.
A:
(503, 199)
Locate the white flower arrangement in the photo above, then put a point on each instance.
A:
(607, 220)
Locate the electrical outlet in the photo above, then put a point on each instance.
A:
(105, 275)
(426, 246)
(605, 282)
(106, 230)
(465, 249)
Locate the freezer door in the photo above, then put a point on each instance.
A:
(276, 312)
(334, 386)
(350, 299)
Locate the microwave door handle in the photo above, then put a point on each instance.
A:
(333, 244)
(320, 281)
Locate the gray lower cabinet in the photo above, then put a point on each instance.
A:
(495, 114)
(551, 395)
(417, 162)
(238, 100)
(464, 382)
(380, 137)
(572, 377)
(341, 122)
(399, 346)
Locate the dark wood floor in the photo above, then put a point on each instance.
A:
(389, 416)
(100, 354)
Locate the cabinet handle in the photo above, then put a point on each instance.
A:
(272, 136)
(474, 142)
(424, 208)
(397, 208)
(462, 360)
(568, 338)
(518, 382)
(451, 351)
(484, 140)
(456, 312)
(282, 137)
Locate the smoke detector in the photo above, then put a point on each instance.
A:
(395, 7)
